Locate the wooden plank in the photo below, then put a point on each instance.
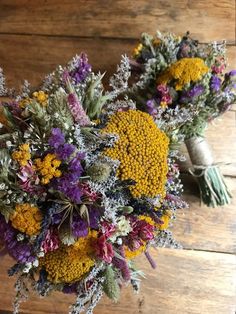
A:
(188, 282)
(203, 228)
(32, 57)
(207, 20)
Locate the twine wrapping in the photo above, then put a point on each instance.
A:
(213, 189)
(199, 152)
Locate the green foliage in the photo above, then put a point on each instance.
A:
(59, 111)
(110, 285)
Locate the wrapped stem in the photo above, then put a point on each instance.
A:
(213, 189)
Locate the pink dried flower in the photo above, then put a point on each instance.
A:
(51, 241)
(108, 229)
(29, 179)
(104, 249)
(77, 110)
(86, 191)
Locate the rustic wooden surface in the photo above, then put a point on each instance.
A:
(208, 20)
(189, 282)
(35, 36)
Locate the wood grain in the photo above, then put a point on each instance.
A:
(207, 20)
(204, 228)
(32, 57)
(186, 282)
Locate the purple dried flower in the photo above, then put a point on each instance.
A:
(232, 73)
(150, 259)
(82, 69)
(20, 251)
(69, 289)
(151, 107)
(122, 265)
(57, 138)
(194, 92)
(75, 164)
(69, 187)
(215, 83)
(79, 227)
(64, 151)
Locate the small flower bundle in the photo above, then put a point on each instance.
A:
(183, 82)
(87, 183)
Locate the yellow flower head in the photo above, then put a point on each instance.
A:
(41, 97)
(132, 254)
(22, 155)
(165, 218)
(70, 263)
(137, 50)
(183, 72)
(48, 167)
(142, 150)
(27, 219)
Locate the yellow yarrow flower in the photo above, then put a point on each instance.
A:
(70, 263)
(142, 150)
(22, 156)
(148, 220)
(48, 167)
(27, 219)
(132, 254)
(184, 71)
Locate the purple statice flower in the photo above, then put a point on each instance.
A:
(194, 92)
(215, 83)
(57, 138)
(64, 151)
(75, 164)
(69, 187)
(151, 107)
(77, 110)
(69, 289)
(94, 217)
(20, 251)
(79, 227)
(81, 70)
(232, 73)
(68, 183)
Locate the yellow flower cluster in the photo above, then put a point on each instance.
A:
(142, 150)
(22, 155)
(132, 254)
(48, 167)
(184, 71)
(148, 220)
(27, 219)
(40, 97)
(70, 263)
(165, 218)
(137, 50)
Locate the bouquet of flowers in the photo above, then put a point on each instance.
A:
(178, 76)
(87, 183)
